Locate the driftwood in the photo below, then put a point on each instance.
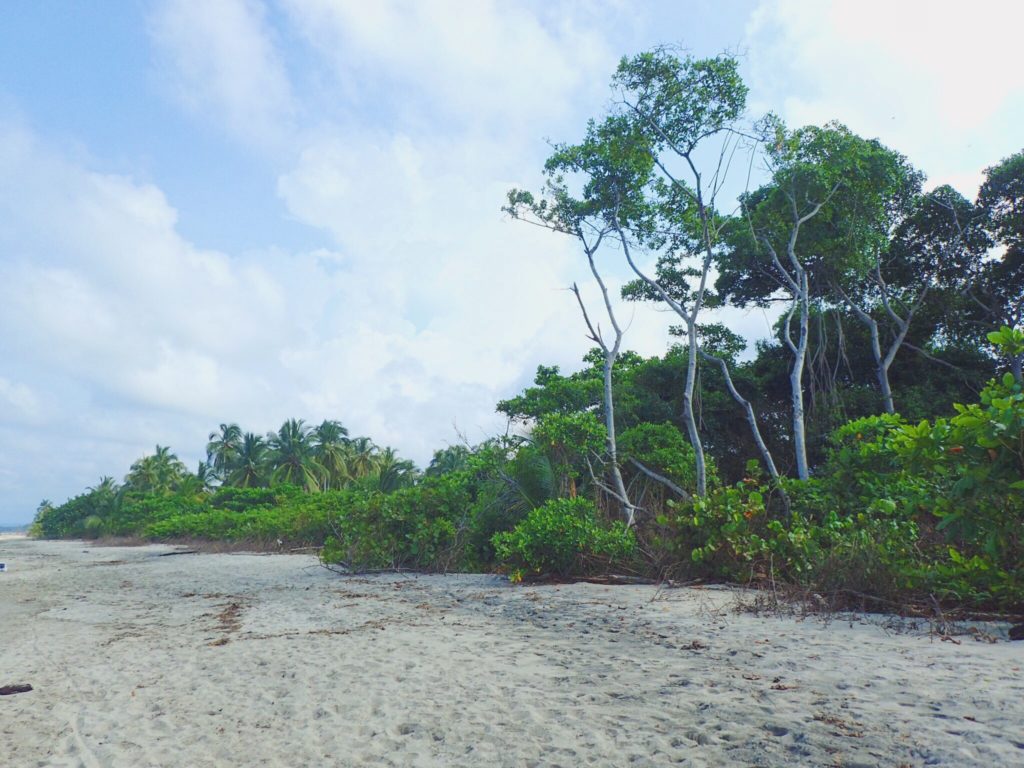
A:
(7, 690)
(616, 579)
(179, 552)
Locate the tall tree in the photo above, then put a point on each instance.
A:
(587, 219)
(391, 472)
(292, 456)
(446, 460)
(825, 211)
(684, 108)
(934, 247)
(330, 446)
(997, 290)
(642, 180)
(361, 458)
(251, 468)
(222, 449)
(159, 473)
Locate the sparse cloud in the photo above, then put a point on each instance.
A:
(220, 60)
(938, 84)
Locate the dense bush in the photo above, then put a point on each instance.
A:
(80, 516)
(421, 527)
(664, 449)
(295, 519)
(563, 537)
(935, 508)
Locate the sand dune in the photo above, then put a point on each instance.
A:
(247, 660)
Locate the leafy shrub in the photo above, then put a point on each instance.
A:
(563, 537)
(744, 532)
(239, 499)
(69, 519)
(568, 439)
(421, 527)
(138, 510)
(975, 461)
(664, 449)
(504, 489)
(299, 519)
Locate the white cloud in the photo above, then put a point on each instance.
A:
(430, 309)
(397, 139)
(936, 84)
(478, 61)
(221, 62)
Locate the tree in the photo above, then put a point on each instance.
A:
(222, 449)
(587, 220)
(454, 458)
(825, 211)
(668, 108)
(390, 472)
(997, 290)
(292, 456)
(932, 249)
(330, 447)
(361, 458)
(680, 106)
(159, 473)
(250, 469)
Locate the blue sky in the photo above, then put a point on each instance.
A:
(252, 209)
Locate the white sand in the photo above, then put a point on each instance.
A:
(248, 660)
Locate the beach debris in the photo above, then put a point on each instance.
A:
(8, 690)
(1017, 632)
(3, 567)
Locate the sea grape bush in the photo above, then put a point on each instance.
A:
(422, 527)
(563, 537)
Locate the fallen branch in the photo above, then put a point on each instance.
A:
(661, 479)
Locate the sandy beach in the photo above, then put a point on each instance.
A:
(140, 659)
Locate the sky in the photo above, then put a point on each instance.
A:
(249, 210)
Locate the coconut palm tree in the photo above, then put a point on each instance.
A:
(250, 469)
(158, 473)
(450, 459)
(222, 450)
(330, 447)
(391, 472)
(361, 459)
(106, 485)
(292, 457)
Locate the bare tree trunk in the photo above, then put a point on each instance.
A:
(881, 370)
(762, 447)
(611, 354)
(613, 450)
(689, 318)
(796, 376)
(700, 463)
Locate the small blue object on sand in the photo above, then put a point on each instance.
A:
(3, 567)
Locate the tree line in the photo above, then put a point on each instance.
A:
(871, 449)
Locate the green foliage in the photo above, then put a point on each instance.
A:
(563, 537)
(68, 520)
(422, 527)
(554, 392)
(290, 517)
(664, 449)
(897, 510)
(569, 436)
